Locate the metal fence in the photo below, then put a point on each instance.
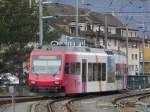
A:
(138, 82)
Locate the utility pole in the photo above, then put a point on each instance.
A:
(143, 54)
(30, 3)
(77, 18)
(106, 31)
(127, 48)
(41, 22)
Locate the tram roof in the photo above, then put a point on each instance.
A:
(79, 49)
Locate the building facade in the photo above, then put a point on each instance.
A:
(94, 28)
(116, 40)
(145, 50)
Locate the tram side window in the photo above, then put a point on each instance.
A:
(125, 68)
(90, 71)
(103, 71)
(72, 68)
(95, 72)
(99, 71)
(119, 71)
(66, 68)
(77, 70)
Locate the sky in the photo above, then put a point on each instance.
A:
(134, 16)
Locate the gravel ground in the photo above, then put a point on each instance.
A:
(19, 107)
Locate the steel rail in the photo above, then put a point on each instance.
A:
(8, 100)
(121, 104)
(50, 105)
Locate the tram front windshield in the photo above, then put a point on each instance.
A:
(46, 64)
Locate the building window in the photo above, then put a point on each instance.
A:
(134, 45)
(72, 30)
(109, 29)
(146, 45)
(136, 56)
(135, 34)
(88, 27)
(115, 42)
(132, 56)
(131, 34)
(102, 28)
(113, 30)
(141, 55)
(132, 67)
(124, 34)
(136, 67)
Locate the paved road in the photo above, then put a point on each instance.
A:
(19, 107)
(96, 105)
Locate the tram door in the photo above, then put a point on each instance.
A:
(84, 76)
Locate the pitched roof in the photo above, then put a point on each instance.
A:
(60, 11)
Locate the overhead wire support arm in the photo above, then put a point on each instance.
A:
(47, 17)
(46, 3)
(61, 15)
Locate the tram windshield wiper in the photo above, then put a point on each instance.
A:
(56, 72)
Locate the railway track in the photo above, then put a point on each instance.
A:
(127, 102)
(72, 104)
(60, 104)
(124, 103)
(67, 104)
(8, 100)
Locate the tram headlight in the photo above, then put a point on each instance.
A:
(57, 80)
(33, 82)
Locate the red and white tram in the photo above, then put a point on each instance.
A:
(76, 70)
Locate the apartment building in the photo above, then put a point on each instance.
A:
(134, 43)
(145, 50)
(93, 28)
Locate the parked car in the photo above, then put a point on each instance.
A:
(8, 78)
